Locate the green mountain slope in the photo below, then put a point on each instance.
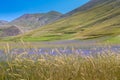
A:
(95, 21)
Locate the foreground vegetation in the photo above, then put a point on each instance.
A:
(60, 67)
(114, 39)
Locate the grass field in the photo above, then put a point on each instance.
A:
(60, 67)
(114, 40)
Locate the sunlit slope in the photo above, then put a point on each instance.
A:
(100, 21)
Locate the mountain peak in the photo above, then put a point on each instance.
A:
(54, 12)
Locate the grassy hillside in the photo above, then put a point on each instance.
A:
(99, 21)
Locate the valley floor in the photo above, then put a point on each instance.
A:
(64, 46)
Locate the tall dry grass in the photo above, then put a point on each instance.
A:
(60, 67)
(74, 66)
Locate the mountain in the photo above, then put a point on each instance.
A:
(26, 22)
(85, 7)
(31, 21)
(2, 22)
(9, 30)
(96, 19)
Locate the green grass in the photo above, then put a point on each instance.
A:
(114, 40)
(46, 38)
(62, 67)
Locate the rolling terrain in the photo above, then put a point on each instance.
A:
(97, 18)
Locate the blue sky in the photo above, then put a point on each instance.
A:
(11, 9)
